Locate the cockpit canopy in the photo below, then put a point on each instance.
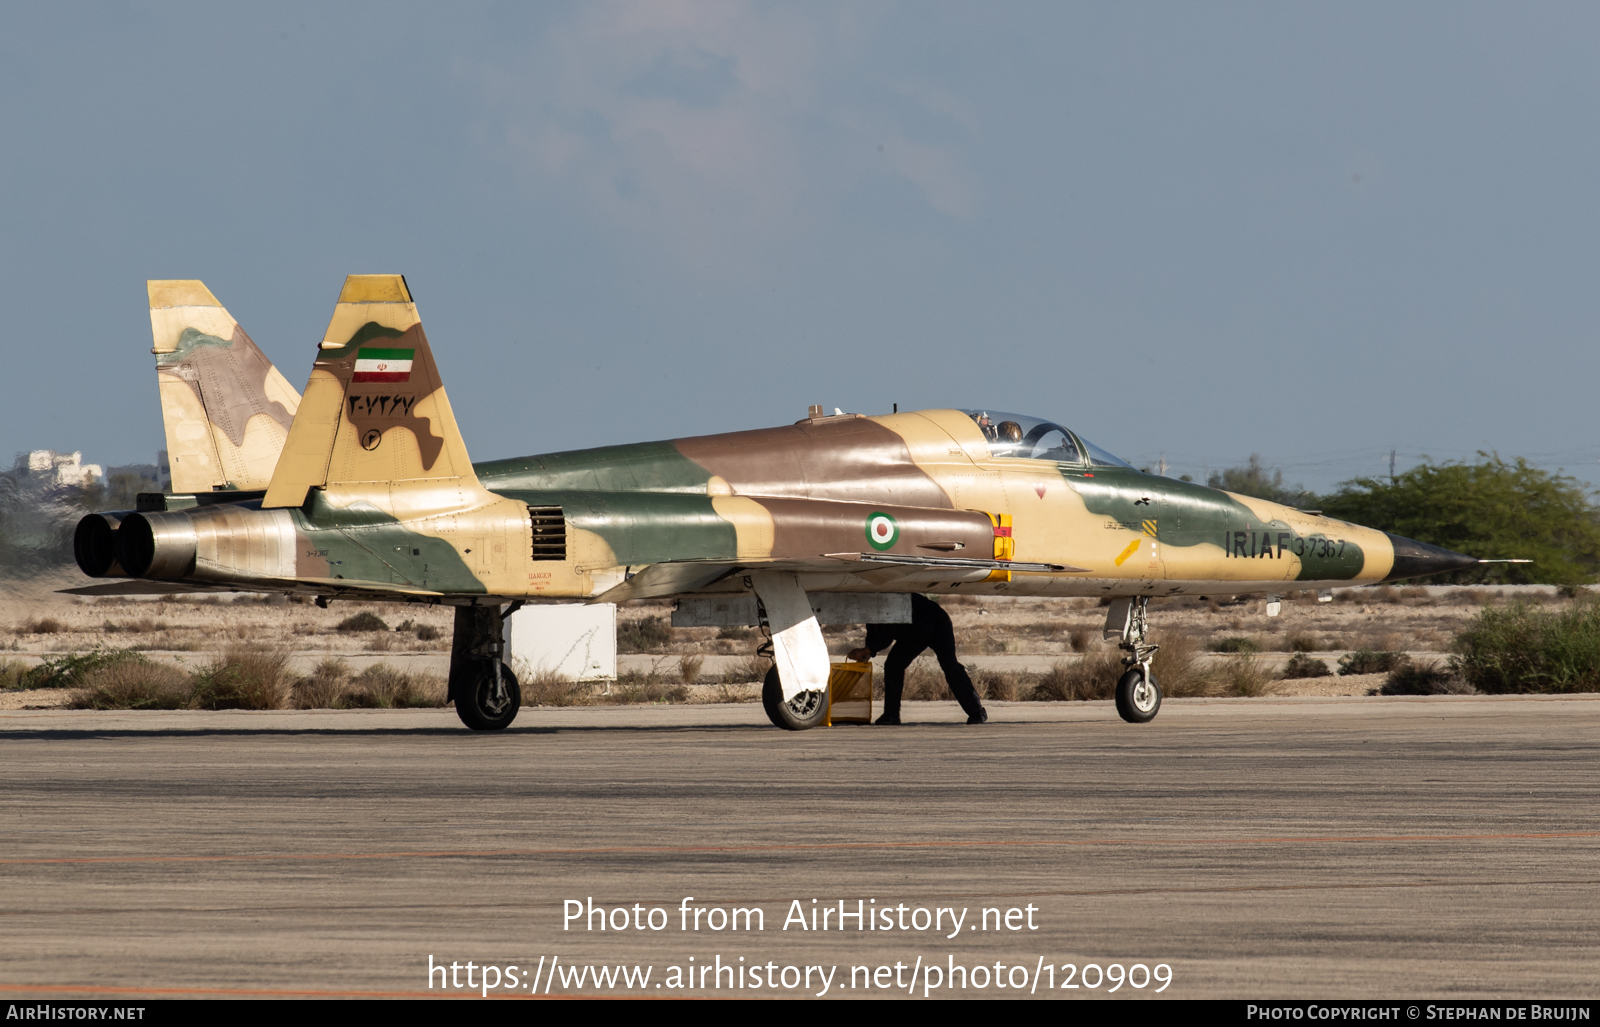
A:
(1022, 437)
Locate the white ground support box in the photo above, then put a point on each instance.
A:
(576, 640)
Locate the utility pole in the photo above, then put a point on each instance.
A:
(1163, 465)
(1391, 467)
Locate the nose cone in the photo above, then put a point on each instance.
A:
(1413, 559)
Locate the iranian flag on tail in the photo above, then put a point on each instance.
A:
(383, 365)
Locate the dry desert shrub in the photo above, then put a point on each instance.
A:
(1091, 677)
(1234, 644)
(753, 669)
(1177, 668)
(643, 635)
(427, 633)
(245, 677)
(1001, 686)
(689, 668)
(1370, 661)
(1301, 665)
(925, 683)
(142, 626)
(324, 688)
(1244, 677)
(41, 626)
(636, 688)
(1300, 642)
(165, 641)
(1079, 639)
(379, 643)
(543, 687)
(135, 684)
(1424, 679)
(733, 693)
(366, 620)
(12, 673)
(382, 687)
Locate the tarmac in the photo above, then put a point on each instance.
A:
(1443, 848)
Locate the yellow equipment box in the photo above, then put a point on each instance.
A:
(849, 694)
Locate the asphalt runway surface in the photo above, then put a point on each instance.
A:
(1444, 848)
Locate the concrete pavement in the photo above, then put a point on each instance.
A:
(1443, 847)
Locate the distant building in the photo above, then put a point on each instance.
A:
(47, 467)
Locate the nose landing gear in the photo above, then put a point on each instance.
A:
(1138, 694)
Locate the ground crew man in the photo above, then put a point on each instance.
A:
(929, 629)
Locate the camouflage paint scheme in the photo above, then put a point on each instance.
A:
(372, 493)
(794, 493)
(226, 409)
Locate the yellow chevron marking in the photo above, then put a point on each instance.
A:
(1133, 547)
(1150, 528)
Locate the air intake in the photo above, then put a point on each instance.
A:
(549, 532)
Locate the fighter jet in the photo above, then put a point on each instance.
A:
(362, 488)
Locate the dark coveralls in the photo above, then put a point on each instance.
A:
(929, 629)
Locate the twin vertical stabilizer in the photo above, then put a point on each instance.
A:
(226, 409)
(375, 410)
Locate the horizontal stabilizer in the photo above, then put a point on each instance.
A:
(143, 588)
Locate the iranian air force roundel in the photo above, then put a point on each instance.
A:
(882, 531)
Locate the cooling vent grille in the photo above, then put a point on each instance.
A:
(549, 532)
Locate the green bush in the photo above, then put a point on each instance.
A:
(1367, 661)
(1491, 509)
(1302, 666)
(1521, 648)
(69, 671)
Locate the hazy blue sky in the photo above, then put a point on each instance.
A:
(1312, 231)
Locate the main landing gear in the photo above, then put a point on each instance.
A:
(805, 710)
(1138, 694)
(484, 689)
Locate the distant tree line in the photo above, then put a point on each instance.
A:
(1491, 509)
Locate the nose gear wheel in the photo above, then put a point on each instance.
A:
(1138, 694)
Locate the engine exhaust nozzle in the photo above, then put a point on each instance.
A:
(94, 544)
(157, 546)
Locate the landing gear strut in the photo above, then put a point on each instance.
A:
(484, 689)
(1138, 695)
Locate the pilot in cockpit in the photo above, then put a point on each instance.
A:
(1005, 438)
